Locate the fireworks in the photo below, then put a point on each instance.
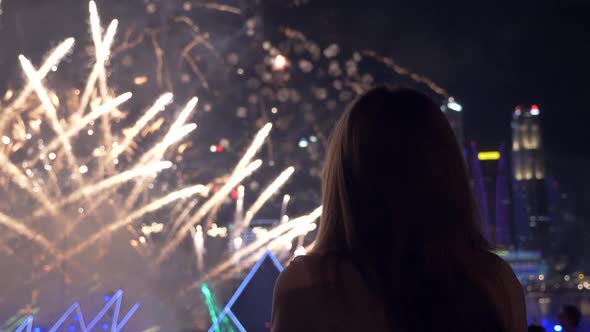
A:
(87, 170)
(69, 188)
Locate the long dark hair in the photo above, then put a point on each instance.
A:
(397, 200)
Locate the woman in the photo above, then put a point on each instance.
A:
(398, 248)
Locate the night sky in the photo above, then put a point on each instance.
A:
(489, 55)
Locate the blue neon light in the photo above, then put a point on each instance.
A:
(557, 328)
(234, 298)
(116, 326)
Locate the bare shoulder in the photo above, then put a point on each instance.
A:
(503, 271)
(300, 273)
(507, 291)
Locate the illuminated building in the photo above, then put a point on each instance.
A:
(526, 265)
(453, 111)
(531, 215)
(491, 189)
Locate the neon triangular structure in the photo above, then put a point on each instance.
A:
(116, 325)
(227, 310)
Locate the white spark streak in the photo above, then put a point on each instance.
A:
(49, 110)
(205, 208)
(22, 229)
(102, 53)
(272, 234)
(265, 196)
(23, 182)
(54, 58)
(164, 100)
(117, 179)
(153, 206)
(95, 114)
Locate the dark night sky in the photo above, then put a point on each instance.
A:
(490, 55)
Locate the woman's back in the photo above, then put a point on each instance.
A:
(398, 211)
(327, 293)
(310, 296)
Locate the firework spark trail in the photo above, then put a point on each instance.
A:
(23, 230)
(151, 207)
(273, 245)
(176, 132)
(246, 158)
(87, 119)
(98, 66)
(50, 111)
(220, 7)
(116, 180)
(54, 58)
(254, 147)
(265, 196)
(161, 102)
(238, 215)
(130, 134)
(244, 161)
(173, 139)
(23, 182)
(249, 249)
(390, 63)
(284, 205)
(107, 186)
(96, 32)
(101, 54)
(205, 208)
(199, 243)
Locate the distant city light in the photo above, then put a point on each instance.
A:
(557, 328)
(140, 80)
(452, 104)
(535, 110)
(216, 231)
(303, 143)
(517, 110)
(238, 242)
(83, 169)
(488, 155)
(279, 62)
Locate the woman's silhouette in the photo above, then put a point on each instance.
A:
(398, 248)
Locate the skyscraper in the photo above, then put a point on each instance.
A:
(531, 215)
(491, 189)
(453, 111)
